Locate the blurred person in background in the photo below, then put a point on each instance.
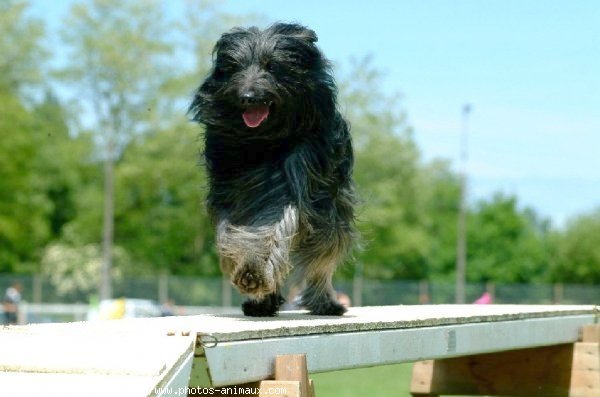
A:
(11, 301)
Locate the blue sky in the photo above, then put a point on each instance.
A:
(530, 69)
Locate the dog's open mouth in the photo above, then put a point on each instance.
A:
(255, 115)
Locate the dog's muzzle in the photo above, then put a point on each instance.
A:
(256, 109)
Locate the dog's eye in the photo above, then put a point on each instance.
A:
(219, 73)
(270, 66)
(295, 58)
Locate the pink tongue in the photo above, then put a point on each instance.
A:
(254, 116)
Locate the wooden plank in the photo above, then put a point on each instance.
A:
(422, 377)
(244, 348)
(585, 375)
(227, 328)
(590, 333)
(568, 370)
(541, 372)
(298, 323)
(292, 367)
(329, 352)
(176, 377)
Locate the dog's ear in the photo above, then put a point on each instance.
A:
(295, 30)
(231, 37)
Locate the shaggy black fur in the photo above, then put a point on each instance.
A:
(274, 139)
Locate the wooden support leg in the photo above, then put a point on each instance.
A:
(422, 379)
(569, 370)
(590, 333)
(293, 368)
(533, 372)
(291, 380)
(585, 376)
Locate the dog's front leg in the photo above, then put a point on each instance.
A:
(257, 258)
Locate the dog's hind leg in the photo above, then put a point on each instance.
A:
(319, 295)
(315, 264)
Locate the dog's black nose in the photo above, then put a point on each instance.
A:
(249, 98)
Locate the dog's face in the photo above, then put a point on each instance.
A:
(262, 82)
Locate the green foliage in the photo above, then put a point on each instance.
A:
(201, 25)
(21, 51)
(577, 250)
(23, 207)
(41, 170)
(63, 162)
(505, 243)
(118, 62)
(74, 271)
(440, 188)
(134, 70)
(387, 178)
(409, 208)
(160, 216)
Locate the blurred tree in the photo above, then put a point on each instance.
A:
(392, 216)
(201, 25)
(74, 271)
(42, 166)
(159, 214)
(133, 96)
(118, 61)
(441, 191)
(577, 250)
(21, 49)
(409, 207)
(506, 244)
(64, 161)
(23, 206)
(159, 206)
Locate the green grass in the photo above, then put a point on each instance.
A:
(388, 380)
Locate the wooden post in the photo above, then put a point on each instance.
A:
(37, 288)
(291, 380)
(163, 287)
(590, 333)
(557, 293)
(585, 376)
(293, 367)
(422, 379)
(490, 288)
(424, 292)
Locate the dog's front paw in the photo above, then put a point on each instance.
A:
(252, 279)
(265, 307)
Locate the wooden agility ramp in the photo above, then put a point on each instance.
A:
(468, 350)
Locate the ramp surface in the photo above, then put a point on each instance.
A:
(139, 357)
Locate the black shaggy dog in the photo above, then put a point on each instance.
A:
(279, 159)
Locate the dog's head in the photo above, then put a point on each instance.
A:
(265, 82)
